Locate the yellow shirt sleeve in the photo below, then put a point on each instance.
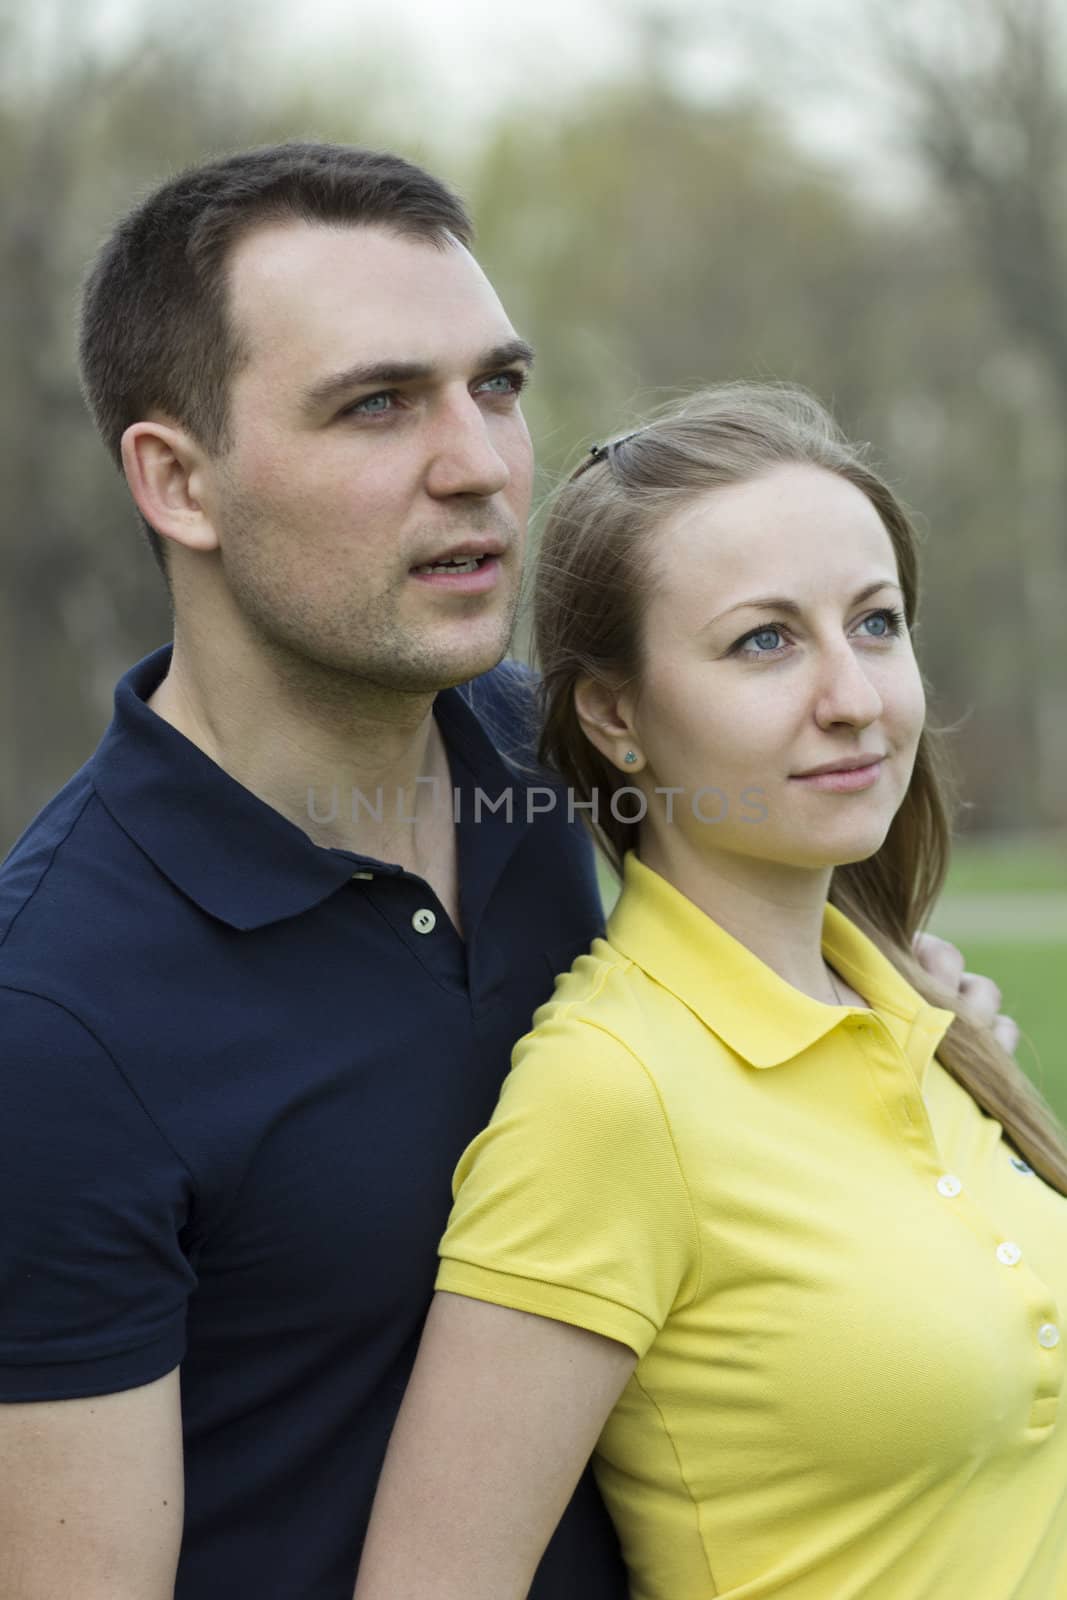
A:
(572, 1203)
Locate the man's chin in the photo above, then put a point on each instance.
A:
(446, 671)
(474, 667)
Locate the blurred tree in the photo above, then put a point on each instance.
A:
(984, 87)
(91, 117)
(81, 596)
(654, 240)
(648, 240)
(650, 244)
(965, 102)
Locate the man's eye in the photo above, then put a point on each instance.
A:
(372, 405)
(504, 383)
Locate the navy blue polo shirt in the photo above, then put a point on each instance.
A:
(237, 1071)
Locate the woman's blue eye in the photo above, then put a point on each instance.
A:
(763, 642)
(891, 623)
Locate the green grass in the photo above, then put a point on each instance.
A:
(1031, 972)
(1008, 866)
(1033, 978)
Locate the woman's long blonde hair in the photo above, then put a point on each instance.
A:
(593, 584)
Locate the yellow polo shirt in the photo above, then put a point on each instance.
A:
(846, 1292)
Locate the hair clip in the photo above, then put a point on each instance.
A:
(601, 452)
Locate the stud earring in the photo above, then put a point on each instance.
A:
(630, 757)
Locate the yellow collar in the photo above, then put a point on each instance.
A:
(762, 1019)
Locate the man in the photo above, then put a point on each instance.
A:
(263, 959)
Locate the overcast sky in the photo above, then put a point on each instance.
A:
(472, 55)
(458, 61)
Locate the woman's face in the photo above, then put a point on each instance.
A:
(774, 644)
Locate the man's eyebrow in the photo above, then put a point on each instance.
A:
(377, 374)
(774, 602)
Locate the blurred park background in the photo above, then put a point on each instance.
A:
(867, 199)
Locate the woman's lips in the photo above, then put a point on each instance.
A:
(844, 782)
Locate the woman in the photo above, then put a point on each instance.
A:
(757, 1216)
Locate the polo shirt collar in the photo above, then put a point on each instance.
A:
(757, 1014)
(236, 857)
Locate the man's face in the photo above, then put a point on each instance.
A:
(376, 431)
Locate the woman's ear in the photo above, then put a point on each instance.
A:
(606, 715)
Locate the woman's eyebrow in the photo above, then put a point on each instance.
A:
(372, 374)
(774, 602)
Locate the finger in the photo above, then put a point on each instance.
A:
(980, 998)
(1007, 1034)
(940, 959)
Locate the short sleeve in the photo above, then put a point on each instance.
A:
(572, 1203)
(93, 1281)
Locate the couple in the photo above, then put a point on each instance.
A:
(766, 1213)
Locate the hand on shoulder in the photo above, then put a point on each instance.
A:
(979, 998)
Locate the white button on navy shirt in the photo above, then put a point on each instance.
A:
(424, 921)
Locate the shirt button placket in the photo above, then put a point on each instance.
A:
(1045, 1409)
(1009, 1254)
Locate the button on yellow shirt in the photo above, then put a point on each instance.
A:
(847, 1294)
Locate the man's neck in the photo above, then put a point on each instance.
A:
(350, 765)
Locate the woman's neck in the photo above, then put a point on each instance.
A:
(773, 910)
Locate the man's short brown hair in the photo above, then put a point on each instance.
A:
(155, 330)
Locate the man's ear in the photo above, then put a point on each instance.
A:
(606, 714)
(165, 470)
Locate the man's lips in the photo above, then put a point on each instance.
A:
(470, 576)
(465, 551)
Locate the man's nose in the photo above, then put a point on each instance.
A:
(463, 456)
